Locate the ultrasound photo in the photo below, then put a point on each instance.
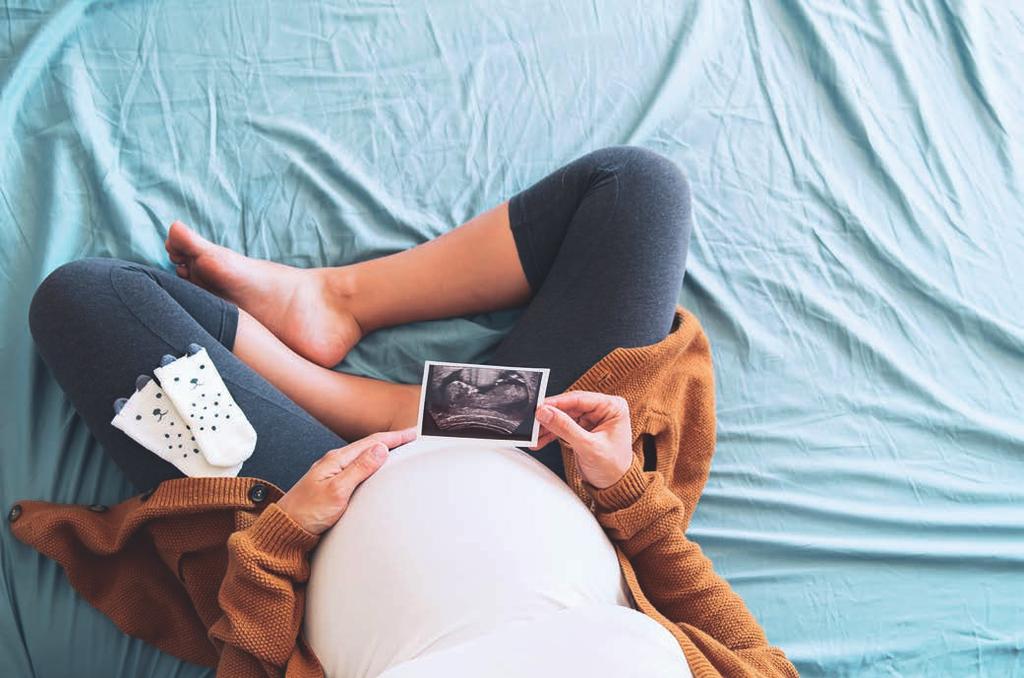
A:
(481, 402)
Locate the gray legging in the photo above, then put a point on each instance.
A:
(602, 240)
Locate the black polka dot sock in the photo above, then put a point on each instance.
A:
(150, 418)
(224, 435)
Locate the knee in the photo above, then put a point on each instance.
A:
(646, 168)
(60, 297)
(650, 167)
(654, 180)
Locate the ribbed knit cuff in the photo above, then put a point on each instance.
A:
(625, 492)
(276, 533)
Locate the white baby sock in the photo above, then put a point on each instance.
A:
(225, 436)
(150, 419)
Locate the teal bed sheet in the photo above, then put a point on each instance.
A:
(858, 260)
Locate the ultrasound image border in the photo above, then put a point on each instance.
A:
(541, 393)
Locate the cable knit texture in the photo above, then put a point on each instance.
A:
(212, 571)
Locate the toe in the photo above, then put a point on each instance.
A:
(183, 242)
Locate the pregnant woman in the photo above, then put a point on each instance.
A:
(569, 559)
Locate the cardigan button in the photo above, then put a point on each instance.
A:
(97, 508)
(258, 493)
(14, 513)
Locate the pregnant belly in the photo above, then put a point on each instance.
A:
(596, 641)
(445, 543)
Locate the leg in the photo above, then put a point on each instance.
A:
(98, 323)
(321, 313)
(624, 212)
(603, 242)
(351, 406)
(472, 269)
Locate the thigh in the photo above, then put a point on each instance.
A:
(99, 323)
(603, 241)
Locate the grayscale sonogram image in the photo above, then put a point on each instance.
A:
(481, 402)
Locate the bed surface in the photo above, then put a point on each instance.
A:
(858, 260)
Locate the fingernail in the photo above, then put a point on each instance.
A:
(544, 413)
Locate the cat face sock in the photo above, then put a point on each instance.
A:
(224, 436)
(149, 418)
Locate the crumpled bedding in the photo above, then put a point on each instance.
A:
(857, 177)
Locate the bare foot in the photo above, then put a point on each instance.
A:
(293, 303)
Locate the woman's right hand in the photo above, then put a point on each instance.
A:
(321, 496)
(598, 428)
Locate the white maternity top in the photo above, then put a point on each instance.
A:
(460, 558)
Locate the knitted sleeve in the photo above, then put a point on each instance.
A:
(646, 519)
(262, 600)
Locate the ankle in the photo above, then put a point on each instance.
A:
(340, 285)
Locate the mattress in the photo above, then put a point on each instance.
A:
(858, 181)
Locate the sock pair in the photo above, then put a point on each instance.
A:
(189, 418)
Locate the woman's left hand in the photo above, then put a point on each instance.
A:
(596, 426)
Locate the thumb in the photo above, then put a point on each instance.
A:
(562, 425)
